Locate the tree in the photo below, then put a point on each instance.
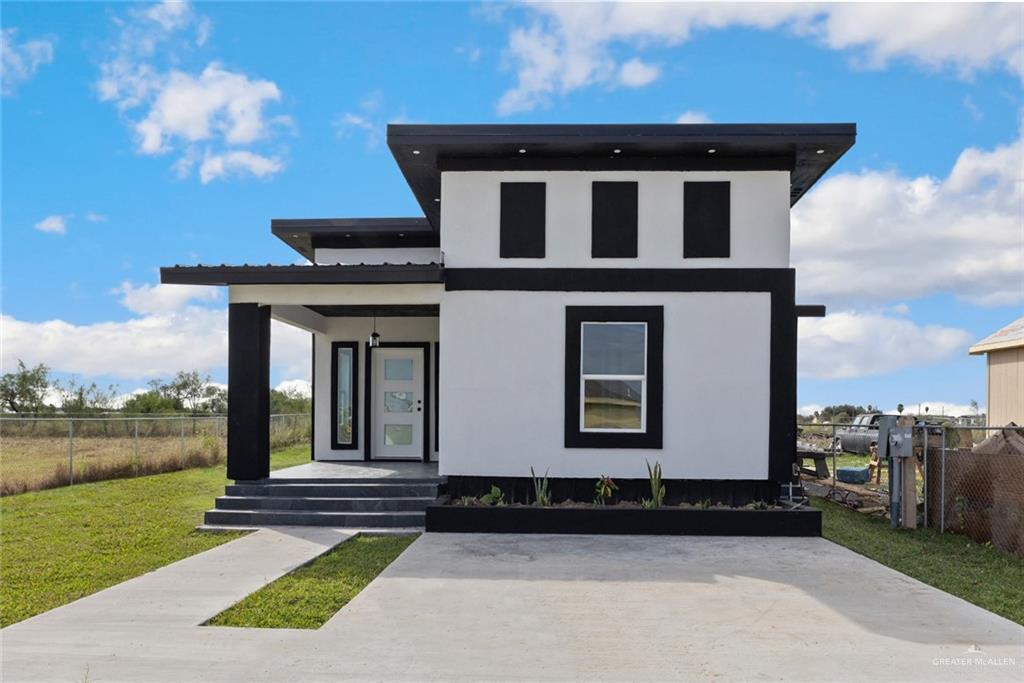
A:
(190, 388)
(82, 398)
(289, 402)
(24, 391)
(152, 401)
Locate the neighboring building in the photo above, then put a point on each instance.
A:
(577, 298)
(1005, 359)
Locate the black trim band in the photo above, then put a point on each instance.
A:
(810, 311)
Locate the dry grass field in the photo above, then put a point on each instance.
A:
(39, 455)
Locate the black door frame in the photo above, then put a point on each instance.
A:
(368, 396)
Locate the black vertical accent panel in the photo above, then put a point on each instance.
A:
(706, 220)
(614, 220)
(248, 391)
(782, 408)
(522, 220)
(437, 397)
(312, 397)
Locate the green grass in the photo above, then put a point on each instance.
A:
(62, 544)
(977, 573)
(310, 595)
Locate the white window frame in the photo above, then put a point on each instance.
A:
(584, 377)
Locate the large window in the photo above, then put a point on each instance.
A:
(613, 373)
(344, 395)
(613, 376)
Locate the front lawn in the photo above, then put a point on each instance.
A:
(977, 573)
(61, 544)
(310, 595)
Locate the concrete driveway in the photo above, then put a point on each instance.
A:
(461, 606)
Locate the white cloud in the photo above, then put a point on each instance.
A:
(162, 298)
(94, 217)
(20, 61)
(237, 163)
(565, 46)
(219, 108)
(167, 334)
(635, 73)
(298, 387)
(851, 344)
(349, 123)
(56, 224)
(917, 236)
(809, 409)
(693, 116)
(217, 103)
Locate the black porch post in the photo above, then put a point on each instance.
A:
(248, 391)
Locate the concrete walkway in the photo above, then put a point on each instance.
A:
(460, 606)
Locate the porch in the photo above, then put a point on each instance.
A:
(328, 471)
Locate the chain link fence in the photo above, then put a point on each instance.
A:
(46, 452)
(970, 479)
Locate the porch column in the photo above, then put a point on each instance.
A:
(248, 391)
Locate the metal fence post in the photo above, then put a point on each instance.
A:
(833, 461)
(182, 423)
(136, 462)
(71, 452)
(924, 468)
(942, 485)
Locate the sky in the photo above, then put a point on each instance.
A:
(136, 136)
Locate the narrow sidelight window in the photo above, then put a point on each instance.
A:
(522, 220)
(613, 375)
(613, 220)
(344, 395)
(706, 222)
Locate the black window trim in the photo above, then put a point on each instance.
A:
(354, 347)
(654, 317)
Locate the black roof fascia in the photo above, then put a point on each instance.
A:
(306, 235)
(386, 274)
(424, 151)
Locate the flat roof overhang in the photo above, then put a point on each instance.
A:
(423, 152)
(386, 274)
(306, 235)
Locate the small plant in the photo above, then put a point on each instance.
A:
(705, 504)
(494, 497)
(657, 488)
(468, 501)
(540, 489)
(759, 505)
(648, 504)
(604, 489)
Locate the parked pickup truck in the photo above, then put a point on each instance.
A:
(861, 435)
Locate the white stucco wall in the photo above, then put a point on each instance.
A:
(502, 389)
(358, 330)
(350, 257)
(470, 212)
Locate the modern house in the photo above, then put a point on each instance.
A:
(1004, 352)
(579, 299)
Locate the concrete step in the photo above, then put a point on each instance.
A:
(294, 503)
(345, 480)
(334, 490)
(262, 518)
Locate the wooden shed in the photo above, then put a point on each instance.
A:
(1005, 351)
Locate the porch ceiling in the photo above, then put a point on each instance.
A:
(387, 311)
(385, 274)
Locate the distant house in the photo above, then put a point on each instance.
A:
(1005, 350)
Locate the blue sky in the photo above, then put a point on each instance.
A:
(136, 136)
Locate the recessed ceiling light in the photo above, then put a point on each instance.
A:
(820, 151)
(348, 234)
(415, 151)
(712, 150)
(401, 234)
(616, 151)
(294, 235)
(522, 151)
(437, 199)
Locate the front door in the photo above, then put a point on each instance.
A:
(398, 393)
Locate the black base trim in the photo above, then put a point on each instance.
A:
(598, 520)
(732, 492)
